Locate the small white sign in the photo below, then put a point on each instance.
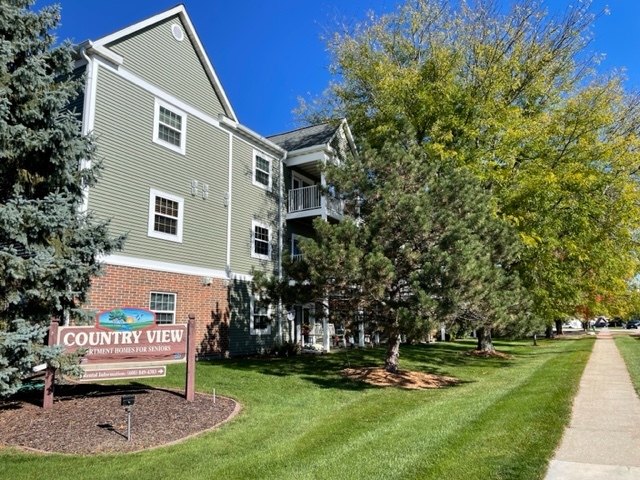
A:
(39, 368)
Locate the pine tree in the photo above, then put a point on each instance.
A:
(49, 248)
(424, 245)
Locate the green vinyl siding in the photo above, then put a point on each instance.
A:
(251, 203)
(134, 164)
(241, 342)
(287, 179)
(156, 56)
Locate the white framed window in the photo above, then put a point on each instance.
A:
(164, 306)
(260, 241)
(262, 170)
(170, 127)
(260, 317)
(165, 216)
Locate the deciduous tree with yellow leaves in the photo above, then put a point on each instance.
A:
(512, 94)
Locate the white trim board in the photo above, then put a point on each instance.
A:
(146, 264)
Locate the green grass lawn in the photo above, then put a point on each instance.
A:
(629, 347)
(301, 420)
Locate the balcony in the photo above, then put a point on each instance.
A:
(308, 202)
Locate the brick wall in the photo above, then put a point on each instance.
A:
(131, 287)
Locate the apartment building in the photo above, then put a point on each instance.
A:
(204, 200)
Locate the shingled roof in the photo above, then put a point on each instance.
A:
(305, 137)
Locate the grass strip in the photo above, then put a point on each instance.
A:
(302, 420)
(629, 347)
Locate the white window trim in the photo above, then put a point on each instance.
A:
(152, 212)
(255, 224)
(175, 305)
(258, 153)
(252, 330)
(156, 121)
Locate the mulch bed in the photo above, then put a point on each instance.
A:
(408, 379)
(88, 419)
(484, 354)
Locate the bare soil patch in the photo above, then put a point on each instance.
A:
(379, 377)
(88, 419)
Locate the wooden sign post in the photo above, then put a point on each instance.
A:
(50, 374)
(189, 391)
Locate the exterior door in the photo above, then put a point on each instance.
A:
(302, 198)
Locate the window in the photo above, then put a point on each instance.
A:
(169, 127)
(260, 323)
(261, 170)
(165, 216)
(164, 306)
(261, 241)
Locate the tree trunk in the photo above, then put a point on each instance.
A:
(484, 340)
(393, 353)
(548, 333)
(558, 327)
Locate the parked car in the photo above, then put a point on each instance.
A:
(573, 323)
(633, 323)
(617, 322)
(601, 323)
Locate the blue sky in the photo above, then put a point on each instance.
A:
(267, 53)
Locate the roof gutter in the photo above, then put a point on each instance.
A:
(89, 48)
(252, 136)
(312, 149)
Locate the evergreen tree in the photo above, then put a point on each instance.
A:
(49, 247)
(423, 245)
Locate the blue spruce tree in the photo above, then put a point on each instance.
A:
(49, 246)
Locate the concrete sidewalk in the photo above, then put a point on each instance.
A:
(603, 439)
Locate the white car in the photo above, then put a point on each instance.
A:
(573, 323)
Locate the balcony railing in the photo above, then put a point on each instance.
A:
(305, 198)
(310, 198)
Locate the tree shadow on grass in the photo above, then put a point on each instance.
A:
(550, 346)
(436, 357)
(325, 370)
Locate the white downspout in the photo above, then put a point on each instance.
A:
(280, 243)
(88, 115)
(88, 120)
(228, 205)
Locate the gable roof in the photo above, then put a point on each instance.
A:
(305, 137)
(179, 10)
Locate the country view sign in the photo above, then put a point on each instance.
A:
(124, 335)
